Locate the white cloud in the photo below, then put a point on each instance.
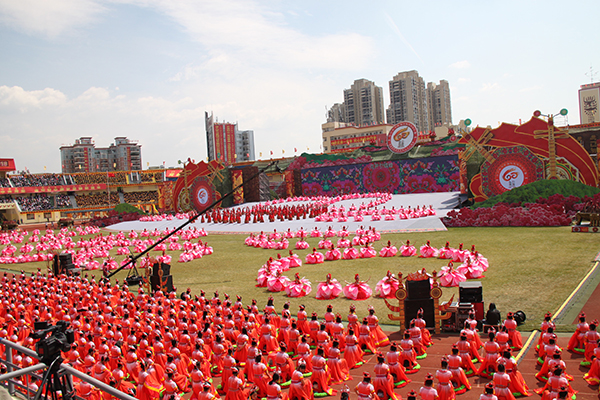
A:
(464, 80)
(531, 89)
(490, 87)
(460, 64)
(48, 17)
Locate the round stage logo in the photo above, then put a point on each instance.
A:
(511, 177)
(203, 196)
(402, 137)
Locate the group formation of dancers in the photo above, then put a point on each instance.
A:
(93, 253)
(271, 274)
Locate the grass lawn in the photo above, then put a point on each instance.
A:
(531, 269)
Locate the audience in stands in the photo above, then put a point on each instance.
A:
(36, 180)
(6, 199)
(97, 199)
(142, 197)
(42, 201)
(4, 182)
(112, 178)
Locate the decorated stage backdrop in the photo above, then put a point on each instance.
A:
(497, 160)
(201, 184)
(423, 175)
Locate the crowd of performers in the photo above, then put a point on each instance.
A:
(321, 208)
(164, 345)
(93, 253)
(271, 274)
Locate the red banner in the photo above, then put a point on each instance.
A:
(219, 141)
(53, 189)
(236, 180)
(7, 164)
(230, 143)
(363, 139)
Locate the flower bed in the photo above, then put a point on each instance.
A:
(556, 210)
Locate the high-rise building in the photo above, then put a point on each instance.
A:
(224, 142)
(589, 103)
(408, 100)
(84, 156)
(363, 105)
(438, 104)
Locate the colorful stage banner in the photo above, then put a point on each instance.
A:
(424, 175)
(7, 164)
(230, 143)
(219, 136)
(52, 189)
(237, 178)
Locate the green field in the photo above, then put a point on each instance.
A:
(531, 269)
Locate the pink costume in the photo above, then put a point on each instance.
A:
(427, 251)
(388, 251)
(277, 282)
(408, 250)
(450, 277)
(386, 287)
(315, 257)
(299, 287)
(357, 290)
(333, 254)
(330, 289)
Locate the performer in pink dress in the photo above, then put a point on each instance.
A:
(315, 257)
(350, 253)
(386, 287)
(408, 250)
(295, 261)
(277, 282)
(333, 254)
(427, 251)
(299, 287)
(367, 252)
(357, 290)
(330, 289)
(388, 251)
(446, 252)
(449, 277)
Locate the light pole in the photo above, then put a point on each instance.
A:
(185, 180)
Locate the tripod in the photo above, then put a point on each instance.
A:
(55, 381)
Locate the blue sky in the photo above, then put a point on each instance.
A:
(148, 69)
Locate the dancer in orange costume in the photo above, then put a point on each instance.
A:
(488, 366)
(365, 389)
(517, 384)
(380, 338)
(320, 377)
(577, 341)
(383, 382)
(459, 378)
(396, 368)
(514, 335)
(444, 376)
(501, 384)
(300, 388)
(428, 392)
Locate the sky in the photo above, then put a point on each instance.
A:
(149, 69)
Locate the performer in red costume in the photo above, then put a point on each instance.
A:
(593, 376)
(353, 354)
(383, 383)
(396, 368)
(330, 289)
(577, 341)
(320, 377)
(300, 388)
(444, 376)
(501, 384)
(365, 389)
(380, 339)
(459, 378)
(517, 384)
(464, 348)
(408, 356)
(488, 366)
(427, 392)
(513, 334)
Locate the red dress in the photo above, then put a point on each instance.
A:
(445, 388)
(458, 374)
(300, 388)
(383, 381)
(379, 337)
(489, 362)
(338, 368)
(396, 369)
(353, 354)
(235, 389)
(501, 386)
(320, 376)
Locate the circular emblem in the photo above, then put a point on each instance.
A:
(511, 176)
(402, 137)
(202, 194)
(595, 229)
(436, 292)
(401, 294)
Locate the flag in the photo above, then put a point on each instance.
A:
(271, 152)
(260, 154)
(44, 167)
(295, 150)
(282, 151)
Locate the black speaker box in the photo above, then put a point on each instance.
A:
(418, 289)
(470, 292)
(167, 282)
(166, 269)
(412, 306)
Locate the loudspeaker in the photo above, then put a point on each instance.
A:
(65, 259)
(479, 314)
(470, 292)
(167, 282)
(166, 269)
(411, 306)
(418, 289)
(63, 264)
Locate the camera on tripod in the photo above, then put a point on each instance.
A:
(60, 339)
